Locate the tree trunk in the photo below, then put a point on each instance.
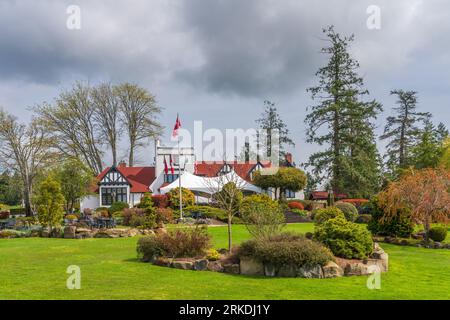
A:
(131, 157)
(229, 232)
(426, 225)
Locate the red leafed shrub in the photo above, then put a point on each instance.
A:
(296, 205)
(161, 201)
(164, 215)
(4, 215)
(356, 202)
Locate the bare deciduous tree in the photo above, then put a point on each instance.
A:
(140, 111)
(26, 149)
(72, 123)
(106, 114)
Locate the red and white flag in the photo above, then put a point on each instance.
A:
(171, 164)
(176, 127)
(166, 169)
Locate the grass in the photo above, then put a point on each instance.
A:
(35, 268)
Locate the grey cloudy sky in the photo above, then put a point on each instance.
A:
(218, 60)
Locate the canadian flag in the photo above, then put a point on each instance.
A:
(166, 169)
(176, 127)
(171, 164)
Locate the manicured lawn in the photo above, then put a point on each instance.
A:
(35, 268)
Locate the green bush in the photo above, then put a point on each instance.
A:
(262, 216)
(364, 218)
(286, 249)
(212, 254)
(399, 226)
(301, 213)
(117, 206)
(174, 197)
(17, 211)
(101, 209)
(180, 243)
(344, 238)
(7, 233)
(325, 214)
(207, 212)
(349, 210)
(438, 233)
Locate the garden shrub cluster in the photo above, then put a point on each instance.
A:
(349, 210)
(296, 205)
(174, 197)
(160, 200)
(207, 212)
(180, 243)
(363, 218)
(399, 226)
(4, 215)
(344, 238)
(325, 214)
(438, 233)
(117, 207)
(286, 249)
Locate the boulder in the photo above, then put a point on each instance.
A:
(269, 270)
(356, 269)
(160, 261)
(310, 272)
(438, 245)
(215, 266)
(83, 230)
(332, 270)
(69, 232)
(182, 264)
(132, 232)
(201, 264)
(287, 271)
(232, 268)
(251, 267)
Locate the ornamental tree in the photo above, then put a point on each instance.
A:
(426, 193)
(286, 178)
(50, 202)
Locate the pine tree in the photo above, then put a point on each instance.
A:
(270, 120)
(429, 148)
(403, 131)
(351, 160)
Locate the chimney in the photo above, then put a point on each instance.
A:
(288, 157)
(122, 164)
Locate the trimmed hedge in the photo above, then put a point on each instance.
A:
(438, 233)
(286, 249)
(349, 210)
(325, 214)
(345, 239)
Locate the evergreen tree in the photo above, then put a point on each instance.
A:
(270, 120)
(402, 131)
(429, 148)
(351, 160)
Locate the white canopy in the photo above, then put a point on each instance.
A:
(209, 185)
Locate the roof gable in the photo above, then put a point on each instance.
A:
(139, 178)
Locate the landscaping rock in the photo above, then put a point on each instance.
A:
(332, 270)
(269, 270)
(438, 245)
(83, 230)
(310, 272)
(231, 268)
(215, 266)
(201, 265)
(163, 262)
(69, 232)
(287, 271)
(356, 269)
(251, 267)
(183, 264)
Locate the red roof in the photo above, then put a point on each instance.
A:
(139, 178)
(243, 169)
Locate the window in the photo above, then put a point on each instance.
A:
(290, 194)
(169, 178)
(111, 195)
(225, 169)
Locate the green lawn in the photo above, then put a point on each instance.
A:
(35, 268)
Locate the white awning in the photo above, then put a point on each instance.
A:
(209, 185)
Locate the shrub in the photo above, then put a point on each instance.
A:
(100, 209)
(17, 211)
(296, 205)
(180, 243)
(207, 212)
(286, 249)
(307, 204)
(4, 215)
(262, 216)
(399, 226)
(349, 210)
(137, 217)
(164, 215)
(71, 217)
(301, 213)
(117, 206)
(325, 214)
(345, 239)
(188, 197)
(212, 255)
(356, 202)
(161, 200)
(118, 216)
(438, 233)
(364, 218)
(7, 233)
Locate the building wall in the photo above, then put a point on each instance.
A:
(90, 202)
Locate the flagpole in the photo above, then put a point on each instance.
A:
(179, 177)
